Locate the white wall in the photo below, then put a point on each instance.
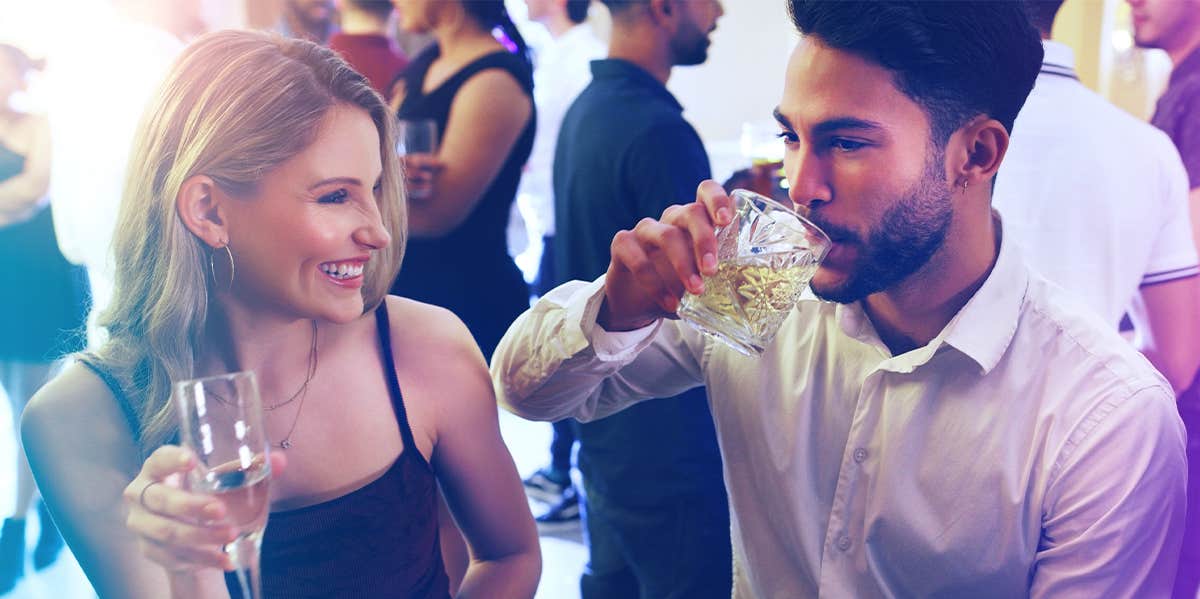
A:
(743, 78)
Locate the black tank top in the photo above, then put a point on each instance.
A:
(470, 263)
(378, 541)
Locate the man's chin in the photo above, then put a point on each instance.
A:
(833, 287)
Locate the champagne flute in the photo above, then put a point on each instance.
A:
(222, 423)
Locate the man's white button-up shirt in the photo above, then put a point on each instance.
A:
(1026, 451)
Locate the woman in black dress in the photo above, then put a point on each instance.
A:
(262, 224)
(479, 91)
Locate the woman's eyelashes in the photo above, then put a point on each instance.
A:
(334, 197)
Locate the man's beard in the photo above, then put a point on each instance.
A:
(691, 47)
(905, 238)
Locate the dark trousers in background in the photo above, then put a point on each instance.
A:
(677, 550)
(545, 280)
(1187, 578)
(561, 444)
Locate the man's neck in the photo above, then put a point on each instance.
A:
(355, 23)
(915, 311)
(645, 49)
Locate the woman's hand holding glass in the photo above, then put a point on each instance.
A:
(176, 528)
(420, 170)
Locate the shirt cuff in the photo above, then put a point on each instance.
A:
(607, 346)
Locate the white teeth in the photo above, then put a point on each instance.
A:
(344, 270)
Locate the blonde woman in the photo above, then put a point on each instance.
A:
(262, 224)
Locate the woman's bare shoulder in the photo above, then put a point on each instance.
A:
(75, 407)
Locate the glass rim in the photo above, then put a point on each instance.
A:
(228, 376)
(804, 220)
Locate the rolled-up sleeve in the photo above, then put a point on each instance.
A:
(555, 362)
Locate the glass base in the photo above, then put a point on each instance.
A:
(719, 328)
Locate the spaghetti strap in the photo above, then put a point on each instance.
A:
(118, 394)
(389, 366)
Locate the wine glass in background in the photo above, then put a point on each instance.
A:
(418, 136)
(222, 423)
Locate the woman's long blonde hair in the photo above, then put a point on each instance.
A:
(236, 105)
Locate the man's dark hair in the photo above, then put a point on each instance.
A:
(1042, 13)
(956, 59)
(577, 10)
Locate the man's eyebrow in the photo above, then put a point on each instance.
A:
(834, 124)
(846, 123)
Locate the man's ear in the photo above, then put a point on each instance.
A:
(663, 12)
(201, 210)
(975, 152)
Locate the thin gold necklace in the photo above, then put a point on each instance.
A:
(312, 368)
(302, 393)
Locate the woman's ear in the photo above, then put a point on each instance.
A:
(200, 209)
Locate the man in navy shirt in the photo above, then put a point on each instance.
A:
(656, 512)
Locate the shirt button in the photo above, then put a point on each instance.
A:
(843, 543)
(860, 455)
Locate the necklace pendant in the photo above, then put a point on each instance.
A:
(285, 444)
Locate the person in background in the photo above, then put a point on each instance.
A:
(655, 515)
(1174, 26)
(312, 20)
(479, 91)
(1098, 201)
(366, 40)
(560, 74)
(942, 422)
(43, 302)
(261, 227)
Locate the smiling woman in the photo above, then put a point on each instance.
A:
(261, 227)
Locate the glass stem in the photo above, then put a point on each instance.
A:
(244, 552)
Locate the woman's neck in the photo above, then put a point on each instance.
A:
(462, 37)
(274, 346)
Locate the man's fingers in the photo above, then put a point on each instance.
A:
(716, 202)
(629, 252)
(701, 233)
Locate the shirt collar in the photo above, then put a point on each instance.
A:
(1188, 67)
(982, 330)
(1059, 59)
(627, 73)
(984, 327)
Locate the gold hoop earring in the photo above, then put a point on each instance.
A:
(213, 267)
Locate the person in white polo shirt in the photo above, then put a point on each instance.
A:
(1098, 200)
